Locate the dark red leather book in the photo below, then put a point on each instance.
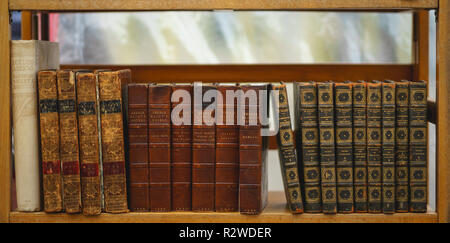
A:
(227, 152)
(203, 153)
(182, 153)
(159, 146)
(252, 158)
(138, 148)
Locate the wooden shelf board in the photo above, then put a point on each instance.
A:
(139, 5)
(275, 212)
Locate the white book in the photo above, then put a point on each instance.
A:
(27, 58)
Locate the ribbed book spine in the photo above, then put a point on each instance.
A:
(325, 97)
(182, 150)
(203, 152)
(49, 127)
(374, 146)
(159, 147)
(402, 147)
(418, 126)
(69, 150)
(360, 146)
(138, 147)
(388, 147)
(287, 153)
(309, 167)
(227, 152)
(114, 174)
(252, 157)
(89, 143)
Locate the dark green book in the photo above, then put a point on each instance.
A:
(388, 146)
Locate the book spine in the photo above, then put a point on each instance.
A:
(287, 153)
(418, 126)
(402, 147)
(252, 158)
(159, 147)
(388, 147)
(374, 146)
(360, 146)
(49, 128)
(69, 150)
(203, 153)
(138, 147)
(113, 155)
(344, 146)
(182, 150)
(89, 143)
(227, 153)
(325, 96)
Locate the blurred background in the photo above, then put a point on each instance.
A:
(242, 37)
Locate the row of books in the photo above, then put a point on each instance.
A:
(362, 146)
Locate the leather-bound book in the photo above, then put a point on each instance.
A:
(69, 150)
(88, 129)
(203, 150)
(182, 149)
(287, 152)
(49, 127)
(374, 115)
(308, 138)
(159, 146)
(252, 155)
(418, 137)
(227, 152)
(344, 145)
(360, 146)
(402, 147)
(388, 146)
(113, 151)
(138, 188)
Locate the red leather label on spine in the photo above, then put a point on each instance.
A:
(89, 170)
(114, 168)
(51, 167)
(70, 168)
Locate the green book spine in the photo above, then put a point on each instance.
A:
(388, 146)
(327, 146)
(418, 146)
(360, 146)
(374, 146)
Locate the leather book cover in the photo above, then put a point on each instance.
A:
(287, 152)
(49, 128)
(253, 182)
(89, 143)
(374, 115)
(309, 155)
(69, 150)
(138, 188)
(388, 146)
(159, 97)
(402, 147)
(227, 152)
(203, 153)
(182, 152)
(113, 154)
(360, 146)
(418, 137)
(344, 145)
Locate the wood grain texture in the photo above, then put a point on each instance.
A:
(275, 212)
(5, 111)
(421, 45)
(443, 98)
(77, 5)
(260, 72)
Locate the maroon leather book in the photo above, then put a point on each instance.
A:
(138, 148)
(203, 154)
(159, 146)
(227, 152)
(182, 153)
(252, 159)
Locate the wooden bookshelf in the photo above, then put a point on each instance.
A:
(276, 211)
